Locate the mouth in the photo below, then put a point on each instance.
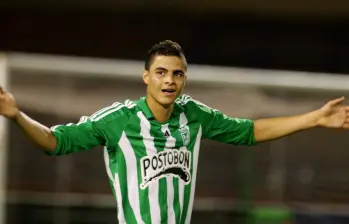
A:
(168, 92)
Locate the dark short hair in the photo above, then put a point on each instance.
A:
(166, 48)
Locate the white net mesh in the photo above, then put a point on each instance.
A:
(306, 168)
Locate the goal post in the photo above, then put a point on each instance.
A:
(251, 93)
(3, 141)
(131, 69)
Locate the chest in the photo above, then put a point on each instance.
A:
(154, 137)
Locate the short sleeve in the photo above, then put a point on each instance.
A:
(98, 129)
(218, 126)
(72, 138)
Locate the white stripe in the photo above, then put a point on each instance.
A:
(132, 176)
(193, 180)
(170, 143)
(83, 119)
(121, 215)
(181, 184)
(107, 113)
(184, 99)
(104, 109)
(106, 161)
(153, 187)
(53, 129)
(183, 119)
(116, 185)
(171, 216)
(129, 104)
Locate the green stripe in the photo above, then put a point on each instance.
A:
(143, 194)
(176, 205)
(122, 171)
(163, 200)
(187, 189)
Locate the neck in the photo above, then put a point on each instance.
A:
(160, 112)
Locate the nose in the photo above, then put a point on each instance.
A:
(169, 79)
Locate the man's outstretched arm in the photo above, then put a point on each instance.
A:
(331, 115)
(58, 140)
(39, 133)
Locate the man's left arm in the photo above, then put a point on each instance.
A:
(331, 115)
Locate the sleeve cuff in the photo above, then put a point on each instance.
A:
(56, 151)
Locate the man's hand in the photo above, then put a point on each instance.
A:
(8, 105)
(331, 115)
(334, 115)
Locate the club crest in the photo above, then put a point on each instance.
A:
(184, 130)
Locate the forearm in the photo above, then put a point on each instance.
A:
(39, 133)
(273, 128)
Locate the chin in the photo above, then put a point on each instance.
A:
(167, 102)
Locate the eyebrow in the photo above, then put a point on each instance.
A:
(164, 69)
(161, 68)
(178, 71)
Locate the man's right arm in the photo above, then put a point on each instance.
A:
(59, 140)
(37, 132)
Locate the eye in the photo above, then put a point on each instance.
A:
(160, 72)
(178, 74)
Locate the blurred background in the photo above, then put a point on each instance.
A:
(64, 59)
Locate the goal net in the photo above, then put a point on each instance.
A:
(305, 170)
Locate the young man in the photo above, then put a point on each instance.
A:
(152, 144)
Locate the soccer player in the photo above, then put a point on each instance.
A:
(151, 145)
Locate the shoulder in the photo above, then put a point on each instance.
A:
(120, 110)
(185, 101)
(191, 104)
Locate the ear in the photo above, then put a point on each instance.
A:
(145, 76)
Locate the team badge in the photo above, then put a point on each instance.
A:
(184, 130)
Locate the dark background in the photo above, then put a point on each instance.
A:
(289, 35)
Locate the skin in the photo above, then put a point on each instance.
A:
(169, 72)
(166, 72)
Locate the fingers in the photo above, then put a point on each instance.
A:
(337, 101)
(3, 94)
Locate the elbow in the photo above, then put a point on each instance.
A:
(257, 137)
(50, 147)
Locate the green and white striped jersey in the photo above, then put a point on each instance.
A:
(152, 165)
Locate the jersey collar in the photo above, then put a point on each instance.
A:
(149, 115)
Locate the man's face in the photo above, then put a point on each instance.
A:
(165, 79)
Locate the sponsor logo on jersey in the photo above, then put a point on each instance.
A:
(172, 162)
